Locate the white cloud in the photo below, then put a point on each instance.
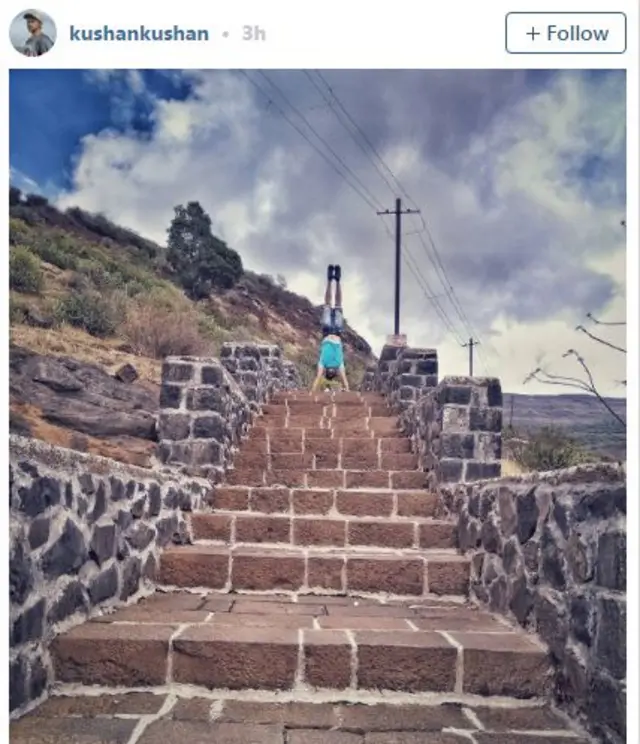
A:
(529, 246)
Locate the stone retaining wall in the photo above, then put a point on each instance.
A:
(455, 425)
(549, 551)
(86, 533)
(208, 404)
(456, 429)
(368, 384)
(203, 415)
(404, 374)
(259, 369)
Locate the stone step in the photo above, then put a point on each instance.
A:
(320, 570)
(328, 478)
(339, 430)
(266, 440)
(379, 426)
(322, 460)
(324, 502)
(231, 528)
(327, 410)
(297, 397)
(79, 714)
(273, 643)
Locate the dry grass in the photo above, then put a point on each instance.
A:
(511, 468)
(158, 332)
(72, 342)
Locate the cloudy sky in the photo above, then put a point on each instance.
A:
(519, 176)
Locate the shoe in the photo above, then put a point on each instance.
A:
(337, 273)
(330, 272)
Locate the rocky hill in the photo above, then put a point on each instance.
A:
(88, 297)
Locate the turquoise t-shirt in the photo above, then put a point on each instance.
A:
(331, 355)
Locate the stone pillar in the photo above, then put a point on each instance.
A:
(469, 447)
(386, 368)
(245, 364)
(368, 384)
(414, 373)
(291, 379)
(260, 370)
(203, 414)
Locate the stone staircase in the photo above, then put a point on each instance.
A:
(322, 602)
(324, 498)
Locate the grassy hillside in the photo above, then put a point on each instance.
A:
(84, 287)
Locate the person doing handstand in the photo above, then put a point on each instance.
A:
(331, 359)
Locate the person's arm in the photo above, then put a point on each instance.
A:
(343, 378)
(318, 380)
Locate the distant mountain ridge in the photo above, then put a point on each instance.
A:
(581, 416)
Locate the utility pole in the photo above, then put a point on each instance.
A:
(471, 343)
(398, 213)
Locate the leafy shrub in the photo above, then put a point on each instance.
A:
(19, 232)
(15, 196)
(25, 273)
(54, 254)
(548, 449)
(27, 214)
(36, 200)
(18, 310)
(100, 225)
(94, 313)
(156, 331)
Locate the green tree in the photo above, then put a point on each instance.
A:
(202, 262)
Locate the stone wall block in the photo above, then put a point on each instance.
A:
(216, 401)
(174, 427)
(610, 642)
(548, 550)
(611, 565)
(170, 396)
(89, 541)
(177, 371)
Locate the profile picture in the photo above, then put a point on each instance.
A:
(33, 33)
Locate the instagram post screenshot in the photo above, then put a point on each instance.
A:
(322, 373)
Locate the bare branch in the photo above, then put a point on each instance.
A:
(600, 340)
(583, 364)
(565, 378)
(606, 323)
(576, 383)
(564, 384)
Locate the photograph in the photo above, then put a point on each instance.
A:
(318, 404)
(33, 33)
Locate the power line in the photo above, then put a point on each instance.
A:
(324, 142)
(436, 260)
(306, 138)
(421, 281)
(336, 113)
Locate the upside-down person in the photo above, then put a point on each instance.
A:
(331, 359)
